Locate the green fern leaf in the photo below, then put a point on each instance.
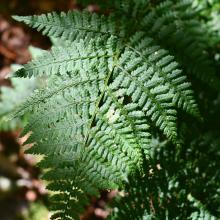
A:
(73, 25)
(107, 91)
(186, 36)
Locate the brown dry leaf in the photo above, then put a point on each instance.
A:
(14, 45)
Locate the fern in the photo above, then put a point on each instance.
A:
(176, 184)
(111, 86)
(186, 38)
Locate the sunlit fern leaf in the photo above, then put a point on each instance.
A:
(107, 90)
(165, 66)
(74, 25)
(63, 60)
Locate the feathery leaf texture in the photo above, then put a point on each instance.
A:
(165, 189)
(109, 87)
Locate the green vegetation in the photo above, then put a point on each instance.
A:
(131, 102)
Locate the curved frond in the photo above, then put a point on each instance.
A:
(113, 83)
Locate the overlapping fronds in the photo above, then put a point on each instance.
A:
(186, 38)
(108, 89)
(173, 187)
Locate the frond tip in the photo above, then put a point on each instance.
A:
(73, 25)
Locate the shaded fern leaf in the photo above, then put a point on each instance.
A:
(130, 8)
(201, 213)
(171, 186)
(74, 181)
(186, 38)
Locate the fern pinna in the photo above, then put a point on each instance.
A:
(115, 81)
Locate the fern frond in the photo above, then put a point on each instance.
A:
(74, 25)
(109, 86)
(73, 182)
(171, 186)
(88, 109)
(151, 96)
(167, 68)
(186, 36)
(63, 60)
